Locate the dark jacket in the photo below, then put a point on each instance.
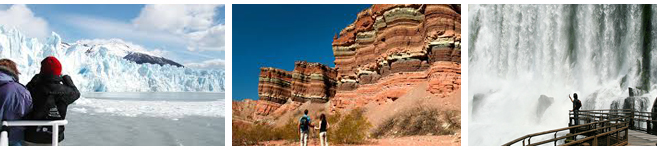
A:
(63, 92)
(15, 102)
(575, 102)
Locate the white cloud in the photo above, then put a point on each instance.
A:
(211, 39)
(117, 29)
(193, 22)
(22, 18)
(176, 18)
(185, 32)
(208, 64)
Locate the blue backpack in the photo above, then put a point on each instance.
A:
(304, 123)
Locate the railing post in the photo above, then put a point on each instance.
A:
(648, 126)
(626, 135)
(609, 137)
(632, 120)
(55, 135)
(4, 137)
(4, 140)
(654, 129)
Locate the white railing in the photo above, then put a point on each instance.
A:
(4, 140)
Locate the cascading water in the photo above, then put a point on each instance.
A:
(519, 52)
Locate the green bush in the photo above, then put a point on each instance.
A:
(351, 129)
(250, 134)
(261, 132)
(289, 131)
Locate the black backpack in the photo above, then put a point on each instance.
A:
(304, 123)
(50, 112)
(578, 104)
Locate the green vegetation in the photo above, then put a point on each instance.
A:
(351, 128)
(259, 132)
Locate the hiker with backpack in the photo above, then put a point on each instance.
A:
(576, 105)
(51, 94)
(15, 101)
(304, 128)
(323, 126)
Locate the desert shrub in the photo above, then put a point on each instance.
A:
(250, 134)
(289, 131)
(260, 132)
(420, 121)
(452, 122)
(350, 129)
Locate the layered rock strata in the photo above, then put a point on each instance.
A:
(390, 48)
(307, 82)
(384, 53)
(253, 107)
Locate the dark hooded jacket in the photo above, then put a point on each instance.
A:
(15, 102)
(63, 92)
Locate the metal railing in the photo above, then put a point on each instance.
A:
(4, 140)
(588, 116)
(644, 122)
(609, 125)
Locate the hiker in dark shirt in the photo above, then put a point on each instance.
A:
(304, 128)
(576, 105)
(323, 127)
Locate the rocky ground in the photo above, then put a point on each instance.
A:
(444, 140)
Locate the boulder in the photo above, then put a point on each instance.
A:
(544, 102)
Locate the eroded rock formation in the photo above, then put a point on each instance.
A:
(390, 48)
(307, 82)
(385, 52)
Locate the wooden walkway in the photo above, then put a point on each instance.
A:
(641, 138)
(606, 127)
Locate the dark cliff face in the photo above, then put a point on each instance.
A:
(140, 58)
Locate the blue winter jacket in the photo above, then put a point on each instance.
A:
(15, 102)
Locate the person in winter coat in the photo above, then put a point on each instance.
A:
(15, 100)
(51, 94)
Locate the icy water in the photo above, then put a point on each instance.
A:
(162, 118)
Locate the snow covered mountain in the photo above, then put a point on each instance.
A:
(107, 65)
(141, 58)
(126, 50)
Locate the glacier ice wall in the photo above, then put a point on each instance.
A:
(101, 71)
(519, 52)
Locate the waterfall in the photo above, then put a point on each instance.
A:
(519, 52)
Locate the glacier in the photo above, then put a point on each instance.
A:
(100, 67)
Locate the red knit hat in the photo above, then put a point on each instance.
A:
(51, 65)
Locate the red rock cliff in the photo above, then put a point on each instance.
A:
(390, 48)
(307, 82)
(386, 51)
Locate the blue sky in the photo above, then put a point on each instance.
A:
(189, 34)
(278, 35)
